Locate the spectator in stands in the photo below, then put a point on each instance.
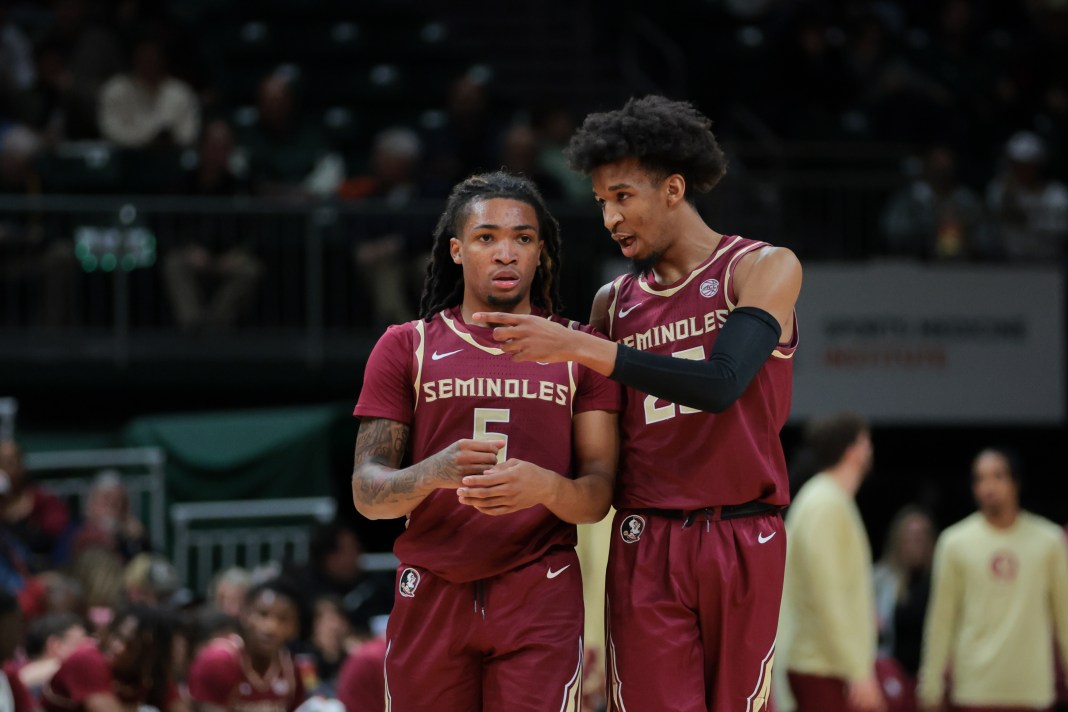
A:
(333, 569)
(1031, 209)
(253, 668)
(937, 218)
(902, 580)
(45, 104)
(36, 516)
(13, 694)
(19, 147)
(62, 593)
(554, 124)
(130, 667)
(389, 250)
(287, 155)
(809, 58)
(147, 107)
(361, 686)
(109, 524)
(519, 155)
(151, 579)
(49, 640)
(467, 141)
(91, 54)
(328, 645)
(228, 589)
(211, 255)
(895, 101)
(99, 572)
(17, 69)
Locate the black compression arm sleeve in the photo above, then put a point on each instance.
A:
(745, 342)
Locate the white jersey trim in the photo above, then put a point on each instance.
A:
(572, 700)
(698, 270)
(468, 338)
(757, 702)
(420, 330)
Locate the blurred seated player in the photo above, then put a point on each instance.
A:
(49, 640)
(129, 669)
(252, 670)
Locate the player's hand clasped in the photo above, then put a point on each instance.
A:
(466, 457)
(509, 487)
(528, 337)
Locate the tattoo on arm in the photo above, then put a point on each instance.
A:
(381, 443)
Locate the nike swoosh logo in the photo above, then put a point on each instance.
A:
(553, 574)
(761, 539)
(437, 357)
(628, 310)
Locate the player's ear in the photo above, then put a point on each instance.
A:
(454, 250)
(675, 188)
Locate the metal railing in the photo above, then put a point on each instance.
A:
(91, 282)
(64, 473)
(213, 536)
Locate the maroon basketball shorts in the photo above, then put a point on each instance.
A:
(692, 611)
(819, 693)
(512, 642)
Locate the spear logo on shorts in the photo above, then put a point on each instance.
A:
(409, 581)
(631, 529)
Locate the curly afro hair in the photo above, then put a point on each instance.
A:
(665, 136)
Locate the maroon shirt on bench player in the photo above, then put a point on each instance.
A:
(130, 668)
(505, 458)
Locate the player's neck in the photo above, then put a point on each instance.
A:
(848, 478)
(470, 307)
(261, 664)
(1002, 518)
(693, 243)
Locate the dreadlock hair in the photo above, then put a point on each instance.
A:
(665, 136)
(444, 283)
(152, 640)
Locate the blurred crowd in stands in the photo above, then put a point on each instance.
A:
(86, 596)
(129, 97)
(71, 580)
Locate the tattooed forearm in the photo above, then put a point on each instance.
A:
(381, 441)
(379, 488)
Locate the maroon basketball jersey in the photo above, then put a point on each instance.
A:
(449, 380)
(675, 457)
(221, 675)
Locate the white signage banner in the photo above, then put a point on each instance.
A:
(911, 343)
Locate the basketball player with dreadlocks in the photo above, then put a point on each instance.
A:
(493, 462)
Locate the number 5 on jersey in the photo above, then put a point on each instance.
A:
(485, 416)
(656, 414)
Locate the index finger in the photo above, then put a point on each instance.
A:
(482, 445)
(502, 318)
